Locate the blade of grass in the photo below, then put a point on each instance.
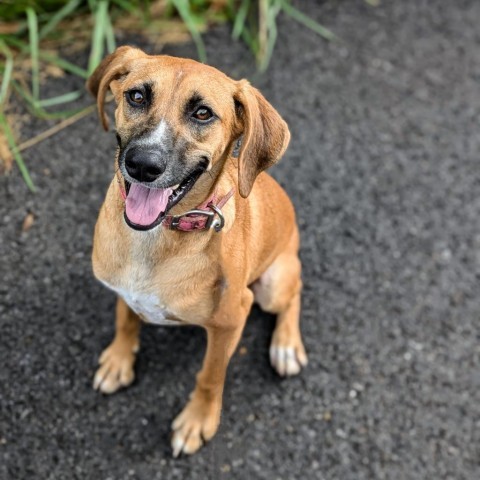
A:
(23, 93)
(56, 128)
(58, 100)
(183, 9)
(271, 20)
(57, 115)
(37, 110)
(64, 65)
(98, 35)
(262, 30)
(55, 19)
(241, 25)
(13, 41)
(48, 57)
(16, 155)
(251, 40)
(20, 27)
(240, 18)
(109, 34)
(7, 72)
(126, 5)
(308, 22)
(33, 34)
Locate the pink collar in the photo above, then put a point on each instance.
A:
(205, 216)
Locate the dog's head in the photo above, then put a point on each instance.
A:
(176, 119)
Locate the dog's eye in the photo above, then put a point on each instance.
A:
(135, 97)
(203, 114)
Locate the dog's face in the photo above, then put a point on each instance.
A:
(176, 119)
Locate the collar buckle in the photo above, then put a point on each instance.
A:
(211, 222)
(217, 223)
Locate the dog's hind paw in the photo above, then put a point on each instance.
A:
(287, 360)
(116, 369)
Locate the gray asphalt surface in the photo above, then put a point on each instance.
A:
(383, 168)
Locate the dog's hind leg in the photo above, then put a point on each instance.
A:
(278, 291)
(116, 361)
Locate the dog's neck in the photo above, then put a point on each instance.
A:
(205, 187)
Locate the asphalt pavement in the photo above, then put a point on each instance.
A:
(383, 169)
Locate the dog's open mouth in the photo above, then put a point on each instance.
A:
(145, 207)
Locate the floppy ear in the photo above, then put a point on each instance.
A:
(265, 136)
(112, 67)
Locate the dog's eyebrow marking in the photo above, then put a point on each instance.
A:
(195, 101)
(148, 92)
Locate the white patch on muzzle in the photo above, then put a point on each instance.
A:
(157, 137)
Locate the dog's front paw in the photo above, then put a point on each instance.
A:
(116, 369)
(198, 422)
(288, 357)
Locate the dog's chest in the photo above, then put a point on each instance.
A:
(148, 306)
(154, 284)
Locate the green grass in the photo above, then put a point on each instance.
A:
(13, 146)
(36, 22)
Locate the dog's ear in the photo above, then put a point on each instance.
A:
(265, 135)
(112, 67)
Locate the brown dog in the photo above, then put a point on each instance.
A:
(191, 138)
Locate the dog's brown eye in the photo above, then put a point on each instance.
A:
(136, 97)
(203, 114)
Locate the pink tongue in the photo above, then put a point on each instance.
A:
(144, 205)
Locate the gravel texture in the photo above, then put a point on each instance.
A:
(383, 168)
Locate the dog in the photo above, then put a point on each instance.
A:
(192, 230)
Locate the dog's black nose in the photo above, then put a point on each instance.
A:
(143, 166)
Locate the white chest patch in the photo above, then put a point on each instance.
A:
(148, 306)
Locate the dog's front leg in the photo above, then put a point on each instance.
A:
(199, 420)
(116, 361)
